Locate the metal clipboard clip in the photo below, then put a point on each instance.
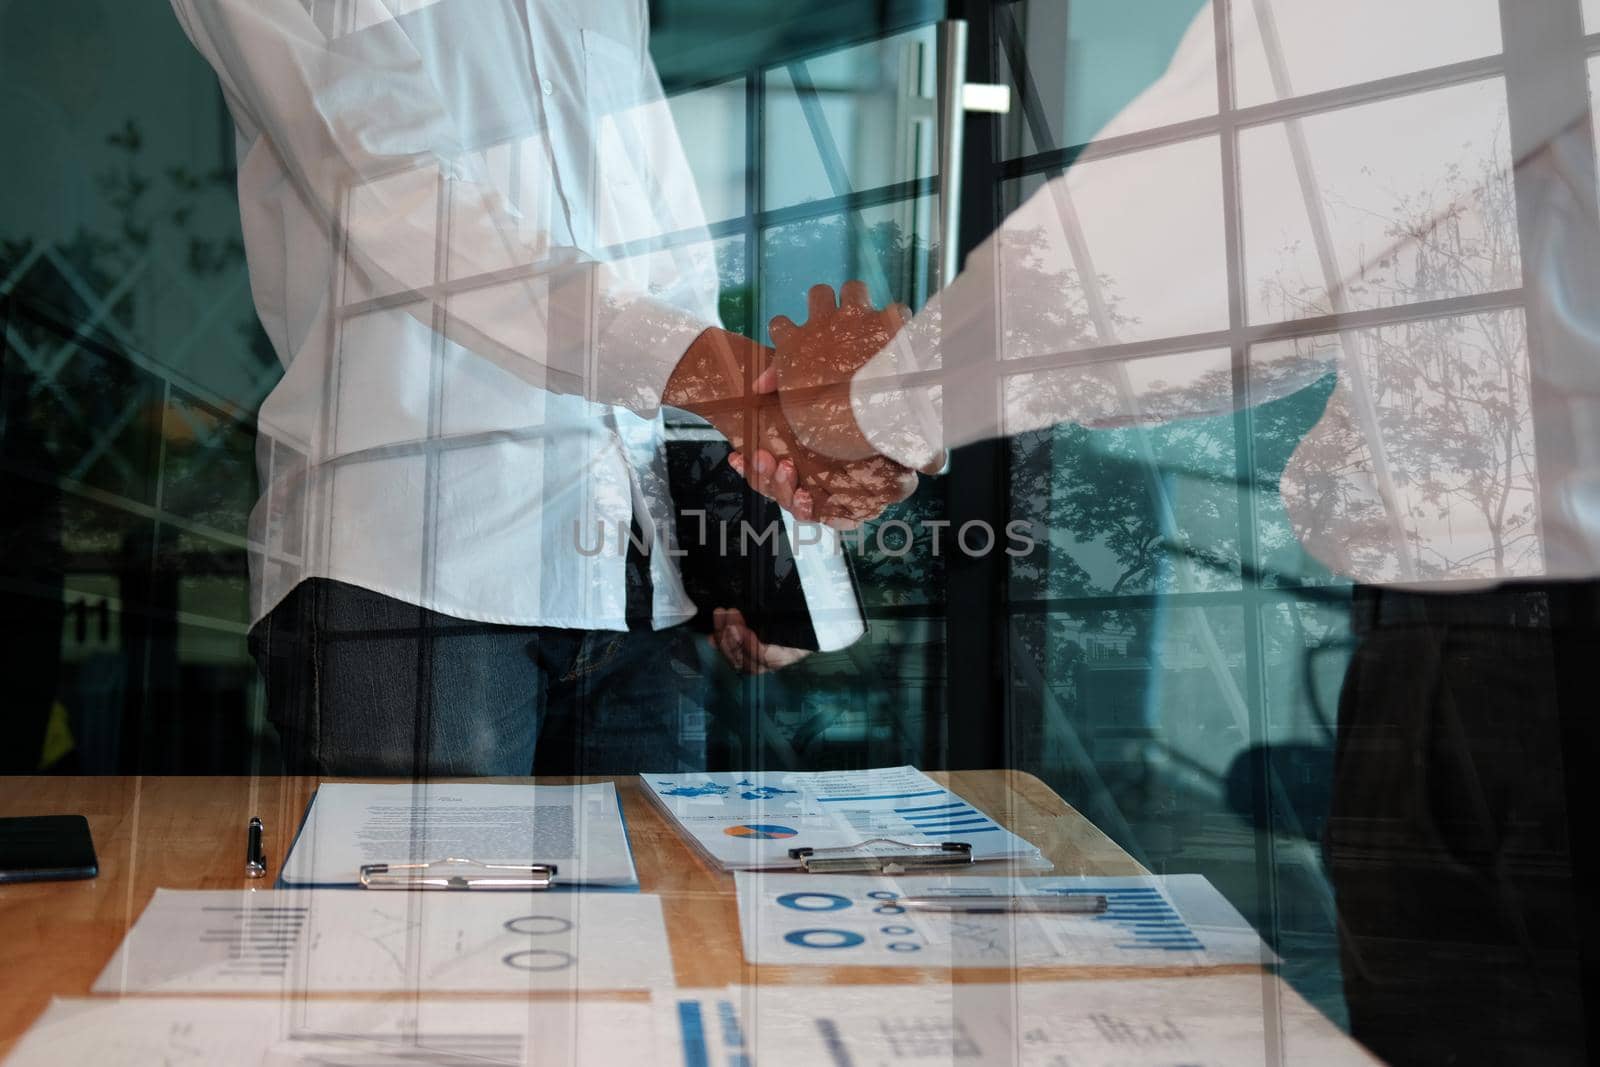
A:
(455, 873)
(883, 855)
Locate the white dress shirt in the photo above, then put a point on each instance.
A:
(1387, 487)
(434, 194)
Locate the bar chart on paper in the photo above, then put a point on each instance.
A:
(1150, 921)
(943, 821)
(1143, 918)
(1211, 1020)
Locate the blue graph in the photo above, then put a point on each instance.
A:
(943, 820)
(765, 792)
(709, 789)
(1143, 915)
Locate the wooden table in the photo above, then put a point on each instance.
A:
(188, 833)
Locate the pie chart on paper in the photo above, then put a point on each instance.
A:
(761, 831)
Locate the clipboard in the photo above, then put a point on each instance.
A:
(456, 873)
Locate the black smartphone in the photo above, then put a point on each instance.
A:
(46, 848)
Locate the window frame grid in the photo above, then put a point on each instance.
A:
(1252, 595)
(1254, 598)
(1239, 338)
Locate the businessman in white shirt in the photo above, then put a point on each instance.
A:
(475, 244)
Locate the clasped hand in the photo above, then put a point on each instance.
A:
(813, 457)
(787, 410)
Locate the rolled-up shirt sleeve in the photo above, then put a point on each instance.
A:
(948, 377)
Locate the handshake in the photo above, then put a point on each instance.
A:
(787, 410)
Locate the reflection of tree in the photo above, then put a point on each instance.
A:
(1452, 394)
(148, 212)
(1457, 236)
(1090, 491)
(90, 401)
(1453, 413)
(153, 217)
(1452, 398)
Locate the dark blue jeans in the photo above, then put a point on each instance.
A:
(361, 684)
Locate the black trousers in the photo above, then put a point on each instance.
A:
(1458, 856)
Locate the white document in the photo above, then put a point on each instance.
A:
(348, 940)
(220, 1032)
(1167, 921)
(577, 827)
(1196, 1021)
(750, 821)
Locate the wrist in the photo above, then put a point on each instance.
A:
(827, 426)
(901, 422)
(710, 371)
(713, 380)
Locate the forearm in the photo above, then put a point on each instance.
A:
(952, 359)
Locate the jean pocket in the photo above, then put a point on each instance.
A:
(597, 650)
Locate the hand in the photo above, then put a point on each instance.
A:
(815, 364)
(710, 380)
(776, 480)
(814, 488)
(746, 652)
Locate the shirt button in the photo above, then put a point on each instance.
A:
(547, 86)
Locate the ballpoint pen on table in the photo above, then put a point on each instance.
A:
(255, 856)
(990, 904)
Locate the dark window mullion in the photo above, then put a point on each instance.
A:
(755, 686)
(1264, 789)
(977, 718)
(1305, 106)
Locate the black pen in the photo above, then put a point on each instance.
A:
(255, 858)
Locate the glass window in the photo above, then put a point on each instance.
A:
(1390, 203)
(1594, 95)
(1286, 48)
(93, 417)
(1422, 465)
(1104, 694)
(1305, 642)
(1130, 248)
(1103, 68)
(209, 473)
(711, 125)
(893, 248)
(865, 120)
(1132, 509)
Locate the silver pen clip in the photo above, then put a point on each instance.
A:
(456, 873)
(883, 855)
